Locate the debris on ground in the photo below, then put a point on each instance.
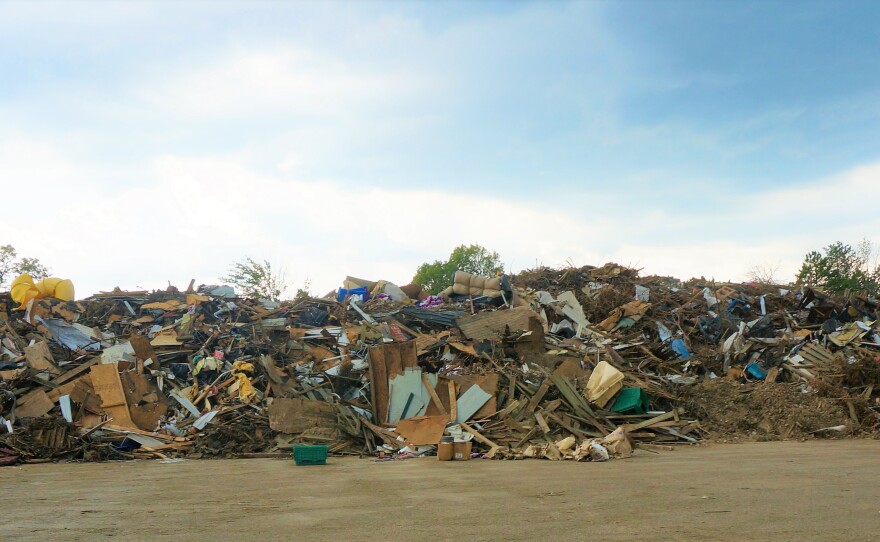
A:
(584, 364)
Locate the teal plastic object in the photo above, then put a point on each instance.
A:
(631, 401)
(310, 455)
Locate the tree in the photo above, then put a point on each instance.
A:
(255, 279)
(764, 273)
(434, 277)
(840, 267)
(11, 266)
(8, 258)
(305, 291)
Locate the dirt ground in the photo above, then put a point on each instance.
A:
(817, 490)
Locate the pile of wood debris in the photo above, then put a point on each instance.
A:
(580, 363)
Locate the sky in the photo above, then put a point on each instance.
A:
(143, 144)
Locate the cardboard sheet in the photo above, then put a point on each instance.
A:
(604, 383)
(107, 384)
(422, 430)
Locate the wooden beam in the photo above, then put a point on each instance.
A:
(434, 397)
(571, 429)
(387, 436)
(542, 423)
(528, 436)
(477, 436)
(73, 373)
(542, 390)
(453, 406)
(651, 422)
(503, 413)
(511, 389)
(653, 447)
(513, 424)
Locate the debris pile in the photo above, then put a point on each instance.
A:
(582, 363)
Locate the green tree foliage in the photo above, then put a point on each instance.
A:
(840, 267)
(255, 279)
(434, 277)
(11, 266)
(305, 291)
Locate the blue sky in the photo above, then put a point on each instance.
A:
(148, 142)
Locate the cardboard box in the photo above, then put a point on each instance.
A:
(461, 451)
(445, 451)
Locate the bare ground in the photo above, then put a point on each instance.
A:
(817, 490)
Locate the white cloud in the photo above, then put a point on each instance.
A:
(280, 81)
(139, 214)
(848, 197)
(193, 216)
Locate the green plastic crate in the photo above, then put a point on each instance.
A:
(631, 401)
(310, 455)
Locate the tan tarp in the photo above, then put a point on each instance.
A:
(475, 285)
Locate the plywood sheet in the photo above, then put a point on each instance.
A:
(40, 358)
(491, 325)
(142, 348)
(387, 362)
(107, 384)
(378, 384)
(470, 402)
(422, 430)
(33, 405)
(146, 403)
(408, 395)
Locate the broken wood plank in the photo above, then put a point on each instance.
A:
(108, 386)
(40, 358)
(539, 395)
(74, 373)
(490, 325)
(654, 447)
(513, 424)
(571, 429)
(511, 389)
(34, 405)
(577, 402)
(478, 436)
(506, 411)
(650, 422)
(542, 423)
(389, 437)
(159, 436)
(551, 406)
(532, 432)
(379, 393)
(434, 397)
(453, 406)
